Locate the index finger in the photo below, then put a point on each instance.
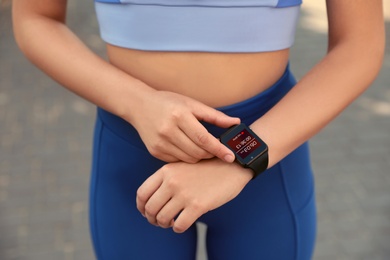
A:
(146, 190)
(186, 218)
(201, 137)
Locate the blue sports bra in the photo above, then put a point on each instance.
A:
(199, 25)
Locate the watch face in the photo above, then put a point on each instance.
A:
(245, 144)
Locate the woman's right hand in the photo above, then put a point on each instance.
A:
(169, 126)
(167, 122)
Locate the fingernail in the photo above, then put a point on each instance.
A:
(229, 158)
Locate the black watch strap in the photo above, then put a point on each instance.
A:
(259, 165)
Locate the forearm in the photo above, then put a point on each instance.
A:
(168, 123)
(51, 46)
(319, 97)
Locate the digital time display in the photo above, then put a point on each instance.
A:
(243, 143)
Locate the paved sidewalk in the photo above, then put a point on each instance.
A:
(45, 142)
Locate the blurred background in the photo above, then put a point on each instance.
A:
(45, 153)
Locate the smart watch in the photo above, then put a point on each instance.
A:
(250, 151)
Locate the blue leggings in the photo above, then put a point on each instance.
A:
(274, 217)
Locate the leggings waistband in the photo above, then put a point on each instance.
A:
(248, 110)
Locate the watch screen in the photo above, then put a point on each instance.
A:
(243, 143)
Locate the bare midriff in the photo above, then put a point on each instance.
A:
(215, 79)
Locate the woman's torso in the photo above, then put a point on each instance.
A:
(216, 79)
(216, 51)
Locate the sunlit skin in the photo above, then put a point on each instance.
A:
(215, 79)
(170, 87)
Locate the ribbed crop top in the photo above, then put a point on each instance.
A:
(199, 25)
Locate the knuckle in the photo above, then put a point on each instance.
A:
(202, 154)
(195, 160)
(166, 169)
(168, 175)
(162, 220)
(172, 183)
(192, 160)
(198, 206)
(141, 195)
(220, 150)
(156, 148)
(170, 159)
(176, 114)
(149, 210)
(153, 151)
(202, 139)
(164, 130)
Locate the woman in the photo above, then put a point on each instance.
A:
(179, 74)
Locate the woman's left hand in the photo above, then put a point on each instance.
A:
(179, 193)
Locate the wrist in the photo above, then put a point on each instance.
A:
(233, 170)
(244, 175)
(132, 99)
(250, 150)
